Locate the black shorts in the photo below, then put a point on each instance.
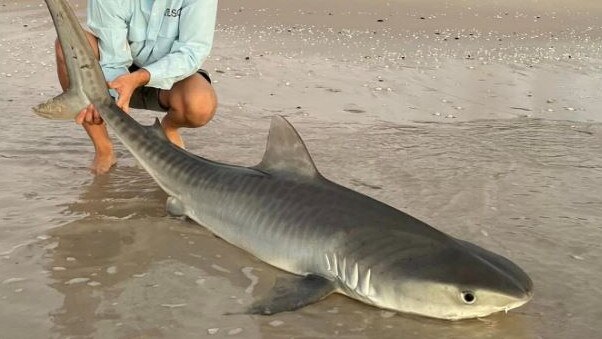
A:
(201, 71)
(148, 97)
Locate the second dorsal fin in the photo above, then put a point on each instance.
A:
(286, 152)
(156, 129)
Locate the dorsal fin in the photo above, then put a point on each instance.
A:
(156, 129)
(286, 152)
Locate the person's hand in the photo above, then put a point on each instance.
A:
(125, 85)
(89, 115)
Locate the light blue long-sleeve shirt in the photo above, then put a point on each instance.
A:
(169, 38)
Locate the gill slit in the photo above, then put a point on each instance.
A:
(357, 281)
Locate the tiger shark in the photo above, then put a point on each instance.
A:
(330, 239)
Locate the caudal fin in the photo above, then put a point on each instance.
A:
(62, 107)
(86, 81)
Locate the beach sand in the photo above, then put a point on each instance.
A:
(480, 118)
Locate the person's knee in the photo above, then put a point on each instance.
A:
(92, 40)
(200, 109)
(58, 50)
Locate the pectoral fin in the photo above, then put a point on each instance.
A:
(290, 294)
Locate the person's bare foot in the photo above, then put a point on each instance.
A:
(172, 134)
(102, 163)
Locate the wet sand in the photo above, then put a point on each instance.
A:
(482, 120)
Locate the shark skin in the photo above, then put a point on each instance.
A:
(284, 212)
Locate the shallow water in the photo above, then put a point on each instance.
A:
(98, 256)
(84, 256)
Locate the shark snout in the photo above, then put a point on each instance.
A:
(523, 285)
(528, 293)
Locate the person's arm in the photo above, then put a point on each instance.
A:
(189, 51)
(107, 19)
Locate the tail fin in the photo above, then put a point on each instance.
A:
(64, 106)
(86, 81)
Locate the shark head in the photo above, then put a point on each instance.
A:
(457, 281)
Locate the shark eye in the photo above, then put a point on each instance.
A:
(468, 297)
